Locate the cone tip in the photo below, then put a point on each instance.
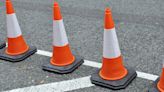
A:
(107, 10)
(9, 7)
(57, 15)
(56, 4)
(109, 23)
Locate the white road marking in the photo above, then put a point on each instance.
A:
(73, 84)
(147, 76)
(58, 86)
(92, 64)
(98, 65)
(44, 53)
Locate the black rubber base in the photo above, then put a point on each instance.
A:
(117, 84)
(64, 69)
(154, 88)
(2, 45)
(17, 58)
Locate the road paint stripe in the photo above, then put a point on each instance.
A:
(73, 84)
(147, 76)
(98, 65)
(58, 86)
(44, 53)
(92, 64)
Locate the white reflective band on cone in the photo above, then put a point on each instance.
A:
(111, 47)
(13, 28)
(59, 33)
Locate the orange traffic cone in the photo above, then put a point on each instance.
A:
(158, 85)
(2, 45)
(113, 74)
(62, 61)
(17, 49)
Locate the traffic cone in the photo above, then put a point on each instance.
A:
(62, 61)
(158, 85)
(2, 45)
(17, 49)
(113, 74)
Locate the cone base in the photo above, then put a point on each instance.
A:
(114, 84)
(154, 88)
(17, 58)
(63, 69)
(2, 45)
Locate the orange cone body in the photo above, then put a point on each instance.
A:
(112, 67)
(16, 42)
(160, 84)
(62, 54)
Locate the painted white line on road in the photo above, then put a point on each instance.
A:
(98, 65)
(58, 86)
(147, 76)
(92, 64)
(44, 53)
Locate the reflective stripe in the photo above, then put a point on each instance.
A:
(59, 33)
(111, 47)
(13, 28)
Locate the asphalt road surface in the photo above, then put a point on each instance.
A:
(140, 30)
